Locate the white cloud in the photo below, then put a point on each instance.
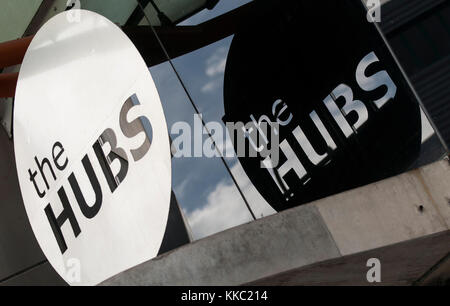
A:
(216, 63)
(215, 68)
(211, 86)
(180, 189)
(225, 208)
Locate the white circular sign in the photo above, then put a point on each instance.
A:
(92, 149)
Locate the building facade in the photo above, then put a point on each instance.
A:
(204, 59)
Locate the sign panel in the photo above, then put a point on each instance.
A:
(92, 149)
(320, 75)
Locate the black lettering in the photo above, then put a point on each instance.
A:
(115, 154)
(57, 223)
(88, 211)
(58, 155)
(45, 161)
(135, 127)
(33, 179)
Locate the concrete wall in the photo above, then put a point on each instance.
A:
(403, 221)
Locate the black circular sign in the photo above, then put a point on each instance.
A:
(346, 115)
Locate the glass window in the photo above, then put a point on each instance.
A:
(235, 65)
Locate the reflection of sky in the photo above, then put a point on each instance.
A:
(203, 187)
